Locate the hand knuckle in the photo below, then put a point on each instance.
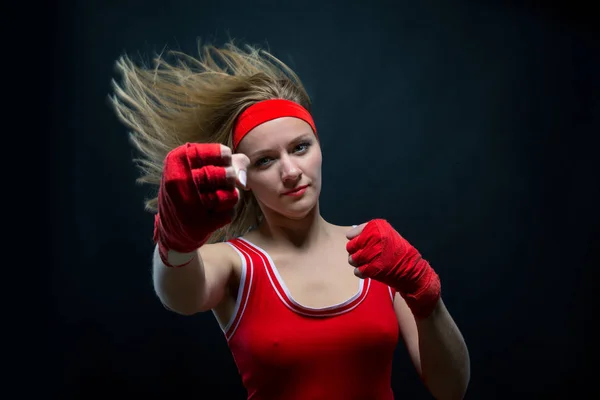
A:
(225, 152)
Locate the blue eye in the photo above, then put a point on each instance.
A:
(302, 147)
(261, 162)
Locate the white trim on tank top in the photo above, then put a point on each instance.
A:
(240, 301)
(288, 294)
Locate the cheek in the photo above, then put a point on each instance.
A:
(261, 182)
(314, 164)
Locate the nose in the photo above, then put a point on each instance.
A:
(290, 172)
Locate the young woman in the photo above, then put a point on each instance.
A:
(309, 309)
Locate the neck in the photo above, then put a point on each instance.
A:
(296, 233)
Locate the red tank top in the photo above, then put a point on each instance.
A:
(287, 351)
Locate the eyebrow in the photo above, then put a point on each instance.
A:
(303, 136)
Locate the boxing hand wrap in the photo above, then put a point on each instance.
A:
(380, 253)
(194, 198)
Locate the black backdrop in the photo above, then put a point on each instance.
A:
(469, 125)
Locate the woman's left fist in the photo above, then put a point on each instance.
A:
(377, 251)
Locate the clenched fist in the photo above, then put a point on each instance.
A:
(197, 195)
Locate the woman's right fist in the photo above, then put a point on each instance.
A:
(214, 171)
(197, 194)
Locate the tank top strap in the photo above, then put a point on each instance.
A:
(252, 269)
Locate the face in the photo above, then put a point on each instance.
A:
(285, 166)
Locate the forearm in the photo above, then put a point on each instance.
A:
(445, 364)
(179, 289)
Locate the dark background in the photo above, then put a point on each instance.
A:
(469, 125)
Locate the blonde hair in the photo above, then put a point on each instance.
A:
(198, 100)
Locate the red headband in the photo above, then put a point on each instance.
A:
(267, 110)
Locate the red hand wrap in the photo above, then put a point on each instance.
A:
(380, 253)
(194, 198)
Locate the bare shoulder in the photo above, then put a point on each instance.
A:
(341, 230)
(222, 264)
(220, 256)
(222, 268)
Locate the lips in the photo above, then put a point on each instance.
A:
(296, 190)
